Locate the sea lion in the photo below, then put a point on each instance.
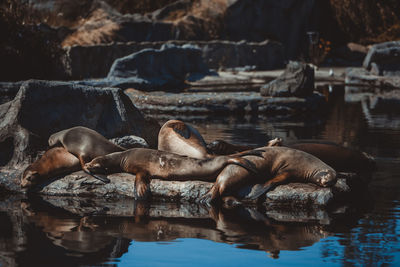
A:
(146, 163)
(55, 161)
(276, 166)
(342, 159)
(183, 139)
(84, 143)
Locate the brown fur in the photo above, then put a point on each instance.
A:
(278, 165)
(55, 161)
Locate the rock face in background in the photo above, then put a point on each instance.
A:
(297, 80)
(384, 59)
(150, 69)
(167, 68)
(41, 108)
(216, 54)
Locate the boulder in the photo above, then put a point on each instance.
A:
(156, 69)
(217, 54)
(384, 59)
(41, 108)
(297, 80)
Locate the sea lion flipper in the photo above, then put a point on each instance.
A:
(260, 189)
(254, 152)
(245, 163)
(82, 162)
(103, 179)
(142, 185)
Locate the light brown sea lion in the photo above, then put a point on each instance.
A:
(55, 161)
(342, 159)
(278, 165)
(84, 143)
(146, 163)
(183, 139)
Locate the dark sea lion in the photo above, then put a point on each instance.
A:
(55, 161)
(86, 144)
(342, 159)
(278, 165)
(146, 163)
(181, 138)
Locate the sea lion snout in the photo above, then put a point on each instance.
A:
(29, 178)
(325, 178)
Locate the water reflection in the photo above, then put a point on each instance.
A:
(47, 231)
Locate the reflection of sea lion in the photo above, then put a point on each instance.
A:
(181, 138)
(55, 161)
(340, 158)
(278, 165)
(146, 163)
(85, 144)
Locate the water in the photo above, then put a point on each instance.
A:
(89, 232)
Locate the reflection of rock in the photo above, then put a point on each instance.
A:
(216, 54)
(224, 102)
(296, 80)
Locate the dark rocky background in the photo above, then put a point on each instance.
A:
(35, 33)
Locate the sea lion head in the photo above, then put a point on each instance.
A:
(29, 178)
(324, 178)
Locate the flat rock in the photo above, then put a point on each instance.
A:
(362, 77)
(122, 186)
(223, 102)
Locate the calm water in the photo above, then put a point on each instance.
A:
(366, 231)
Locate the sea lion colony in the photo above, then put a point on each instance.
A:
(184, 155)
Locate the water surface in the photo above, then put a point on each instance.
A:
(89, 232)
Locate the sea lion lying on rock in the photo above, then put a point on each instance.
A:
(84, 143)
(148, 163)
(277, 165)
(342, 159)
(55, 161)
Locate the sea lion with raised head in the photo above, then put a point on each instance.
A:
(277, 165)
(183, 139)
(146, 163)
(55, 161)
(84, 143)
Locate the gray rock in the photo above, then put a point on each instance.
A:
(384, 59)
(41, 108)
(223, 103)
(130, 141)
(150, 69)
(359, 77)
(8, 90)
(217, 54)
(297, 80)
